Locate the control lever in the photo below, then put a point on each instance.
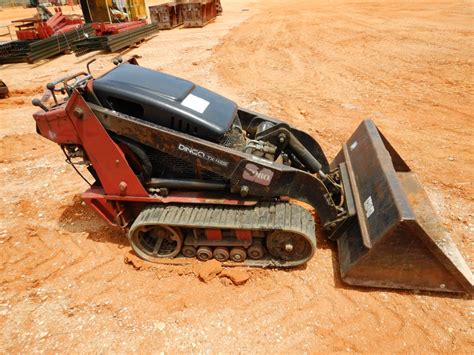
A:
(37, 102)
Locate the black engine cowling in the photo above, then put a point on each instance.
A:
(166, 100)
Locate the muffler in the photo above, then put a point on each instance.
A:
(396, 239)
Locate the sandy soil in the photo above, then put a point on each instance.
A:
(322, 66)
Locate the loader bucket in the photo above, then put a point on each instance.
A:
(396, 240)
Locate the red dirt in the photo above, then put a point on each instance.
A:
(208, 270)
(323, 67)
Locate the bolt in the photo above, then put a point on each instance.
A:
(282, 137)
(244, 191)
(289, 247)
(78, 112)
(237, 256)
(122, 186)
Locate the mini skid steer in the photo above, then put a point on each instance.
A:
(188, 173)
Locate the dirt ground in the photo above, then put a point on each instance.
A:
(323, 66)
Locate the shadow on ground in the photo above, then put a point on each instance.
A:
(78, 218)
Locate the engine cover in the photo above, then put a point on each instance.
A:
(166, 100)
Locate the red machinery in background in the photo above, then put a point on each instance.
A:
(37, 28)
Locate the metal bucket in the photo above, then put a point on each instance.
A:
(396, 239)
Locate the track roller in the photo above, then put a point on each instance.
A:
(255, 251)
(189, 251)
(221, 254)
(288, 246)
(238, 254)
(204, 253)
(156, 242)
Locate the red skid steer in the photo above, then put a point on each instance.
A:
(189, 174)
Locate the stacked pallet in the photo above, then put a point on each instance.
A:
(32, 51)
(113, 43)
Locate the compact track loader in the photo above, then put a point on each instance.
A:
(189, 174)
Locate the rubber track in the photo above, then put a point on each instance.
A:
(264, 216)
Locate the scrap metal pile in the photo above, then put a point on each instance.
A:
(188, 13)
(115, 36)
(81, 39)
(46, 35)
(31, 51)
(35, 28)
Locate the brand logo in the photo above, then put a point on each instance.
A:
(202, 155)
(262, 176)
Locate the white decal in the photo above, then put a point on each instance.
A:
(353, 145)
(261, 176)
(369, 207)
(195, 103)
(202, 155)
